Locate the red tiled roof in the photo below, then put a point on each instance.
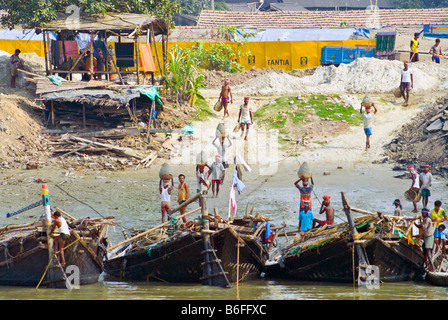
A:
(323, 19)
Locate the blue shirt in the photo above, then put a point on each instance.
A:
(306, 220)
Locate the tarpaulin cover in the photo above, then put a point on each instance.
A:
(90, 94)
(150, 92)
(313, 34)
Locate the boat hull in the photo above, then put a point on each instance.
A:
(335, 262)
(25, 263)
(437, 278)
(180, 260)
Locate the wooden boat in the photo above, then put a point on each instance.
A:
(437, 278)
(335, 253)
(25, 259)
(180, 257)
(440, 276)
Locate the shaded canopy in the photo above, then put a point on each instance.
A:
(110, 23)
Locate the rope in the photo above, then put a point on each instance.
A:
(86, 204)
(51, 260)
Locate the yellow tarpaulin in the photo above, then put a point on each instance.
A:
(286, 55)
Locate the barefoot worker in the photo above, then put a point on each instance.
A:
(218, 172)
(305, 191)
(226, 96)
(407, 82)
(415, 186)
(368, 120)
(329, 213)
(165, 196)
(64, 233)
(183, 194)
(425, 184)
(245, 117)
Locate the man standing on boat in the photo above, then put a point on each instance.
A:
(306, 218)
(428, 237)
(64, 234)
(438, 216)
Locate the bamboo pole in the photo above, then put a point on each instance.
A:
(65, 213)
(151, 230)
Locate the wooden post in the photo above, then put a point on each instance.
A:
(149, 121)
(45, 53)
(137, 58)
(213, 272)
(363, 263)
(84, 115)
(47, 219)
(92, 39)
(52, 114)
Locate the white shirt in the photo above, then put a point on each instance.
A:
(245, 113)
(406, 75)
(416, 181)
(217, 170)
(426, 180)
(165, 196)
(64, 227)
(368, 119)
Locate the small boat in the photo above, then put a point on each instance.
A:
(239, 249)
(341, 252)
(437, 278)
(25, 258)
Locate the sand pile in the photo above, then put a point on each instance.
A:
(365, 75)
(20, 125)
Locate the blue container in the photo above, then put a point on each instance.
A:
(331, 55)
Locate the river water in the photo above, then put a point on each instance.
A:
(131, 196)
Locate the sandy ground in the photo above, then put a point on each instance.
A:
(132, 195)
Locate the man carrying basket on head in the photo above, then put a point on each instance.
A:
(413, 194)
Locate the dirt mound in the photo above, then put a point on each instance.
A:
(417, 143)
(214, 79)
(20, 125)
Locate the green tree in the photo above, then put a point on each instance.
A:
(36, 13)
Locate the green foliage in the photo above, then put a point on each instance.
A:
(219, 56)
(183, 78)
(203, 110)
(165, 9)
(36, 13)
(282, 112)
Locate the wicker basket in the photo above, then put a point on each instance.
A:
(412, 195)
(218, 106)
